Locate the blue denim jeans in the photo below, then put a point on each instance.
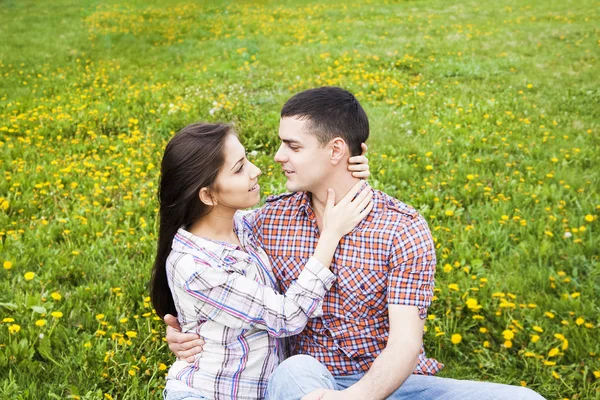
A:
(301, 374)
(180, 395)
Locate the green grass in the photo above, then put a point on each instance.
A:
(484, 116)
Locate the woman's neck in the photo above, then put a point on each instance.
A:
(216, 225)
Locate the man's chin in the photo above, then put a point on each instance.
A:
(292, 187)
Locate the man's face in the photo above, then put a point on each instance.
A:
(305, 163)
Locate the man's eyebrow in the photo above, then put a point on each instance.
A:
(239, 161)
(290, 141)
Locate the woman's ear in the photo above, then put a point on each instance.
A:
(206, 197)
(337, 150)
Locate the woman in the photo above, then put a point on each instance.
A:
(211, 273)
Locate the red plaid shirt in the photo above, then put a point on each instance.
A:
(389, 258)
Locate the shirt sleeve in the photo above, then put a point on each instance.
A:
(412, 266)
(235, 301)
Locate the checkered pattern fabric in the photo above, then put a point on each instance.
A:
(228, 295)
(389, 258)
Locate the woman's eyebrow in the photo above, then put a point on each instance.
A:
(239, 161)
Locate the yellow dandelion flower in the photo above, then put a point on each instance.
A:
(29, 276)
(508, 334)
(131, 334)
(549, 314)
(132, 372)
(456, 338)
(549, 363)
(14, 328)
(40, 322)
(534, 338)
(453, 286)
(162, 367)
(579, 321)
(508, 344)
(486, 344)
(483, 330)
(589, 218)
(538, 329)
(56, 314)
(123, 320)
(449, 213)
(56, 296)
(555, 375)
(7, 265)
(553, 352)
(8, 319)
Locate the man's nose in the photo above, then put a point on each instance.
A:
(280, 156)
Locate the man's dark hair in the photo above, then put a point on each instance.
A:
(332, 112)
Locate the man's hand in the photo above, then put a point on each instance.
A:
(326, 394)
(184, 345)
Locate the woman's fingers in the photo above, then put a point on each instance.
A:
(352, 193)
(362, 203)
(364, 148)
(358, 160)
(366, 211)
(358, 167)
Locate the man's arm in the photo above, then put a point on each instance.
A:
(397, 361)
(410, 290)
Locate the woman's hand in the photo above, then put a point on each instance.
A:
(185, 346)
(341, 218)
(359, 165)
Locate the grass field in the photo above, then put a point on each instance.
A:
(485, 116)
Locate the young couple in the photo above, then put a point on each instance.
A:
(347, 282)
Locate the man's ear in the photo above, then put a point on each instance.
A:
(206, 197)
(337, 150)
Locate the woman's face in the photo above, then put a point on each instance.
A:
(237, 182)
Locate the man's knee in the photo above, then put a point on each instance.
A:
(297, 376)
(298, 366)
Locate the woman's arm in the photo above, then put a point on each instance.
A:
(236, 301)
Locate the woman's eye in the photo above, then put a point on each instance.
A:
(240, 169)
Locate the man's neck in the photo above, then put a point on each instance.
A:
(341, 185)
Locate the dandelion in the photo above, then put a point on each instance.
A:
(579, 321)
(162, 367)
(456, 338)
(483, 330)
(538, 329)
(589, 218)
(56, 296)
(56, 314)
(549, 314)
(508, 344)
(131, 334)
(29, 276)
(40, 322)
(14, 328)
(449, 213)
(553, 352)
(508, 335)
(99, 317)
(429, 167)
(453, 286)
(7, 265)
(534, 338)
(123, 320)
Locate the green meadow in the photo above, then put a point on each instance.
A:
(485, 116)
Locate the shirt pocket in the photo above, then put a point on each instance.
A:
(363, 292)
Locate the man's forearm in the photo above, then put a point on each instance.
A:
(388, 372)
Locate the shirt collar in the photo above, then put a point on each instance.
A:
(186, 242)
(305, 205)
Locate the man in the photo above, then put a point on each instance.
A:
(368, 344)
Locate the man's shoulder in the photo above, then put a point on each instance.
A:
(283, 200)
(393, 208)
